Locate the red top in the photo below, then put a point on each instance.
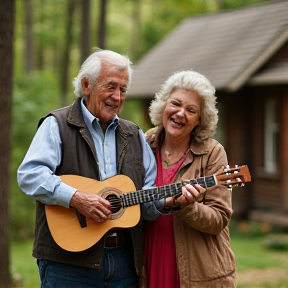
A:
(160, 254)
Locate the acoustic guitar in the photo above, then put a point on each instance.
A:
(74, 232)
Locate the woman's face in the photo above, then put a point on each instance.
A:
(182, 113)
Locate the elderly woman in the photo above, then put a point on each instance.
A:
(187, 239)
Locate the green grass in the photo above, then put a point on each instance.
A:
(260, 262)
(256, 263)
(23, 266)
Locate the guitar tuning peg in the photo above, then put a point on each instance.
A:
(238, 185)
(226, 168)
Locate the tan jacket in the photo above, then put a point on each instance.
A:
(204, 254)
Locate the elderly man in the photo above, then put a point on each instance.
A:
(88, 139)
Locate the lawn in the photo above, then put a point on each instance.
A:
(23, 265)
(262, 259)
(261, 252)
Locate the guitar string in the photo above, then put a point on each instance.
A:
(132, 198)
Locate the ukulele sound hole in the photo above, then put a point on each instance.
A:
(115, 202)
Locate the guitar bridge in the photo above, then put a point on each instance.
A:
(82, 219)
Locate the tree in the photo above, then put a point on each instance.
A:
(29, 37)
(7, 14)
(66, 53)
(85, 33)
(102, 24)
(136, 25)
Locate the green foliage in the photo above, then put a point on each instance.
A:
(277, 241)
(119, 26)
(249, 228)
(133, 111)
(168, 14)
(34, 96)
(234, 4)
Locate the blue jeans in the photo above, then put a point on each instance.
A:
(118, 271)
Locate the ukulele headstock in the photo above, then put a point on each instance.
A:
(233, 176)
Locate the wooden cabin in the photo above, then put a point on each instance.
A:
(244, 53)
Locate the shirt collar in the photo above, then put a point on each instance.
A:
(89, 118)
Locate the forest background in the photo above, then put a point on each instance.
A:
(51, 40)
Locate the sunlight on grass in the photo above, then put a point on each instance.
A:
(23, 265)
(251, 253)
(258, 264)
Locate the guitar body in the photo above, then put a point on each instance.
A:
(64, 224)
(73, 234)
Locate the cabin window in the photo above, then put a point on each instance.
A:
(270, 136)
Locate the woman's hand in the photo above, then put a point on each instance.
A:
(189, 195)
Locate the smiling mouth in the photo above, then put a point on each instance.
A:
(111, 106)
(177, 123)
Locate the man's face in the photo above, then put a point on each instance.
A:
(106, 98)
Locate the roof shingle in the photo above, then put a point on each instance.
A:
(227, 47)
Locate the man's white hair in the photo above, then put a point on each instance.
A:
(91, 68)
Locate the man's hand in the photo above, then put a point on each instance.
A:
(92, 206)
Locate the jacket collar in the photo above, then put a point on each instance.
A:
(75, 116)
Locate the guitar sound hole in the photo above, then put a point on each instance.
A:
(115, 202)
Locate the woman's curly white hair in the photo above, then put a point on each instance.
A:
(188, 80)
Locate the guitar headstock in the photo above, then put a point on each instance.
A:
(233, 176)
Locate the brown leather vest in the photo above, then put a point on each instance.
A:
(80, 158)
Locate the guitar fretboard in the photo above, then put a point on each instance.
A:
(174, 189)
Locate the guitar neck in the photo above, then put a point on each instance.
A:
(157, 193)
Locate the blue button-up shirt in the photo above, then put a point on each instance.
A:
(36, 174)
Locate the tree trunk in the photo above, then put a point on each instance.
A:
(66, 54)
(29, 37)
(40, 45)
(135, 36)
(7, 15)
(85, 41)
(102, 24)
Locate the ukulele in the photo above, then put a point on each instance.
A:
(74, 232)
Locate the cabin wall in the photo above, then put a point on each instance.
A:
(244, 130)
